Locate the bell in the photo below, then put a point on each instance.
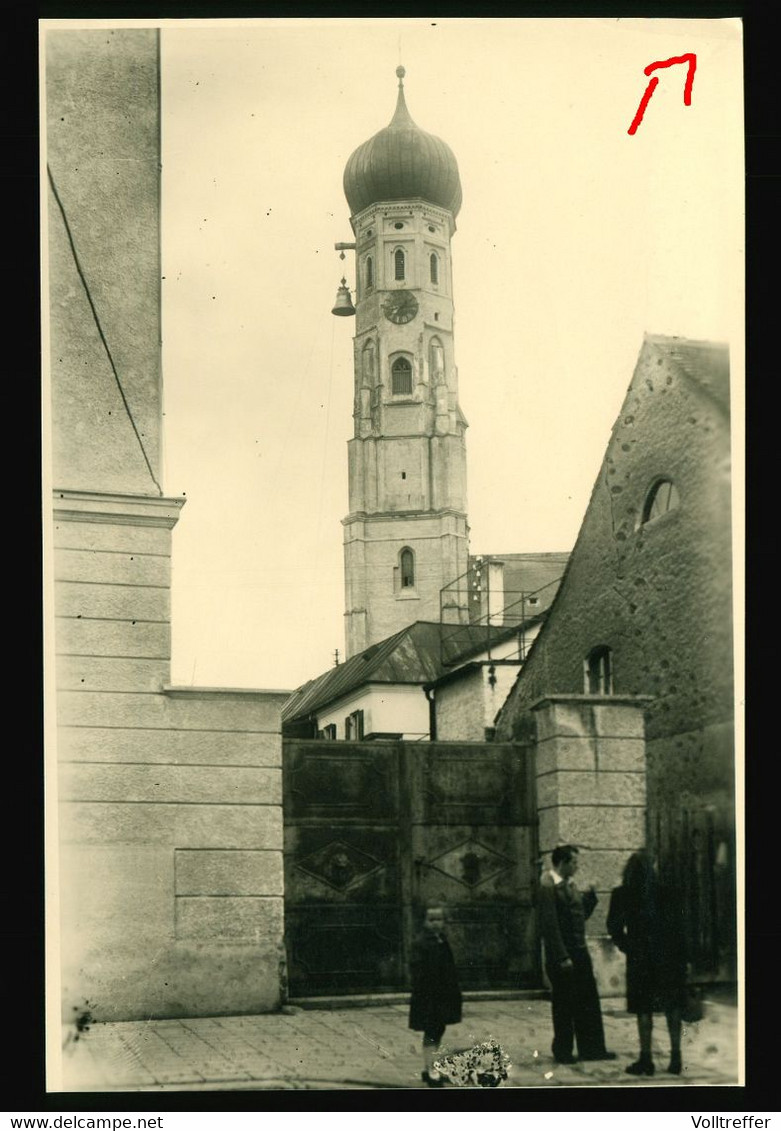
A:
(344, 304)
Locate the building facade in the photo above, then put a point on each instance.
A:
(406, 535)
(167, 871)
(645, 609)
(391, 690)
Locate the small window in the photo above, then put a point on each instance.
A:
(353, 726)
(369, 273)
(398, 224)
(329, 732)
(398, 264)
(401, 378)
(434, 268)
(598, 671)
(662, 497)
(407, 564)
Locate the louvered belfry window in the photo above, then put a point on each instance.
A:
(398, 264)
(401, 378)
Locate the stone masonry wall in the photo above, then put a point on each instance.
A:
(591, 791)
(460, 708)
(659, 594)
(170, 817)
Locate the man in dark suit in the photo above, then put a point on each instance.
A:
(577, 1014)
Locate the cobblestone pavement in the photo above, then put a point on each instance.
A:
(371, 1047)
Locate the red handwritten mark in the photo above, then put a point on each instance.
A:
(690, 59)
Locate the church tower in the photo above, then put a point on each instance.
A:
(406, 536)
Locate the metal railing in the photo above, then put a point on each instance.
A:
(473, 617)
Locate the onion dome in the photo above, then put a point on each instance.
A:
(402, 162)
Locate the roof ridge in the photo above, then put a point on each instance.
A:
(658, 339)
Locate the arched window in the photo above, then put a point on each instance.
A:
(598, 671)
(407, 569)
(662, 497)
(401, 378)
(369, 272)
(398, 264)
(434, 268)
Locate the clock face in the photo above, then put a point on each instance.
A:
(400, 307)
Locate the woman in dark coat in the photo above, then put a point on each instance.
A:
(436, 994)
(646, 922)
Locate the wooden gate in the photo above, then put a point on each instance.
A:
(376, 831)
(696, 844)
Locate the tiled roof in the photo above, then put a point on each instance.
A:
(417, 654)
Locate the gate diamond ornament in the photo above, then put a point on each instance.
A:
(339, 865)
(471, 863)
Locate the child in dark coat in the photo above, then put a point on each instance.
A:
(436, 994)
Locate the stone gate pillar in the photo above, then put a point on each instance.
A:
(591, 791)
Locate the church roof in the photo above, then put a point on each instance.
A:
(418, 654)
(402, 162)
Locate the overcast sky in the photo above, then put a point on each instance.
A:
(574, 239)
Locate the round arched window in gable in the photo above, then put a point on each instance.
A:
(662, 497)
(401, 377)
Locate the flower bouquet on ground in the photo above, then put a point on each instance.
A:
(482, 1066)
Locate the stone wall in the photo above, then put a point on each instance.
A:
(164, 818)
(460, 708)
(658, 594)
(591, 791)
(103, 258)
(170, 818)
(468, 702)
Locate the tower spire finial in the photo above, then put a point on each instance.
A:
(402, 115)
